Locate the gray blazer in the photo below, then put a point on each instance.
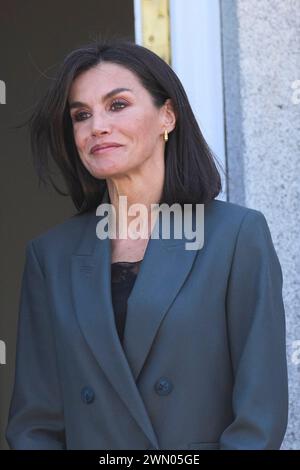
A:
(203, 364)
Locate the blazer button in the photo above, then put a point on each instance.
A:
(87, 395)
(163, 386)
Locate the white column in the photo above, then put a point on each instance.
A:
(197, 60)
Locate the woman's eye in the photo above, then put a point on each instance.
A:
(117, 105)
(79, 116)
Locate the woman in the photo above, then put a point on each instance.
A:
(196, 358)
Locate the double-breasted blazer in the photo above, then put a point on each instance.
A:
(203, 362)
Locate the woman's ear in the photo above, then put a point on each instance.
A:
(169, 116)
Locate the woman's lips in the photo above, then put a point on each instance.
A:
(108, 148)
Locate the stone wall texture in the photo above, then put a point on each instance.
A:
(261, 57)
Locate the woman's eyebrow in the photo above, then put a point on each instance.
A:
(78, 104)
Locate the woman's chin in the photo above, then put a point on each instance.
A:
(107, 172)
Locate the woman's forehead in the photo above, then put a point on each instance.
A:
(104, 77)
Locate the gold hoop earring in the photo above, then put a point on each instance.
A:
(166, 137)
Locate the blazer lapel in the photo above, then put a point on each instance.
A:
(165, 267)
(163, 270)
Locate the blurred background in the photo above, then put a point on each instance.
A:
(239, 61)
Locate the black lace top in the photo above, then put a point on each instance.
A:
(123, 276)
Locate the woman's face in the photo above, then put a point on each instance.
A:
(109, 105)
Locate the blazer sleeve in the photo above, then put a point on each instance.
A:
(36, 412)
(256, 329)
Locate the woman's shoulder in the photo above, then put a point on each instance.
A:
(231, 222)
(231, 213)
(64, 236)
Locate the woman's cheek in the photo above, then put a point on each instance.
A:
(79, 140)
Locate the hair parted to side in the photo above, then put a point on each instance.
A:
(191, 175)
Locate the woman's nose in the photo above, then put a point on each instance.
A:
(100, 125)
